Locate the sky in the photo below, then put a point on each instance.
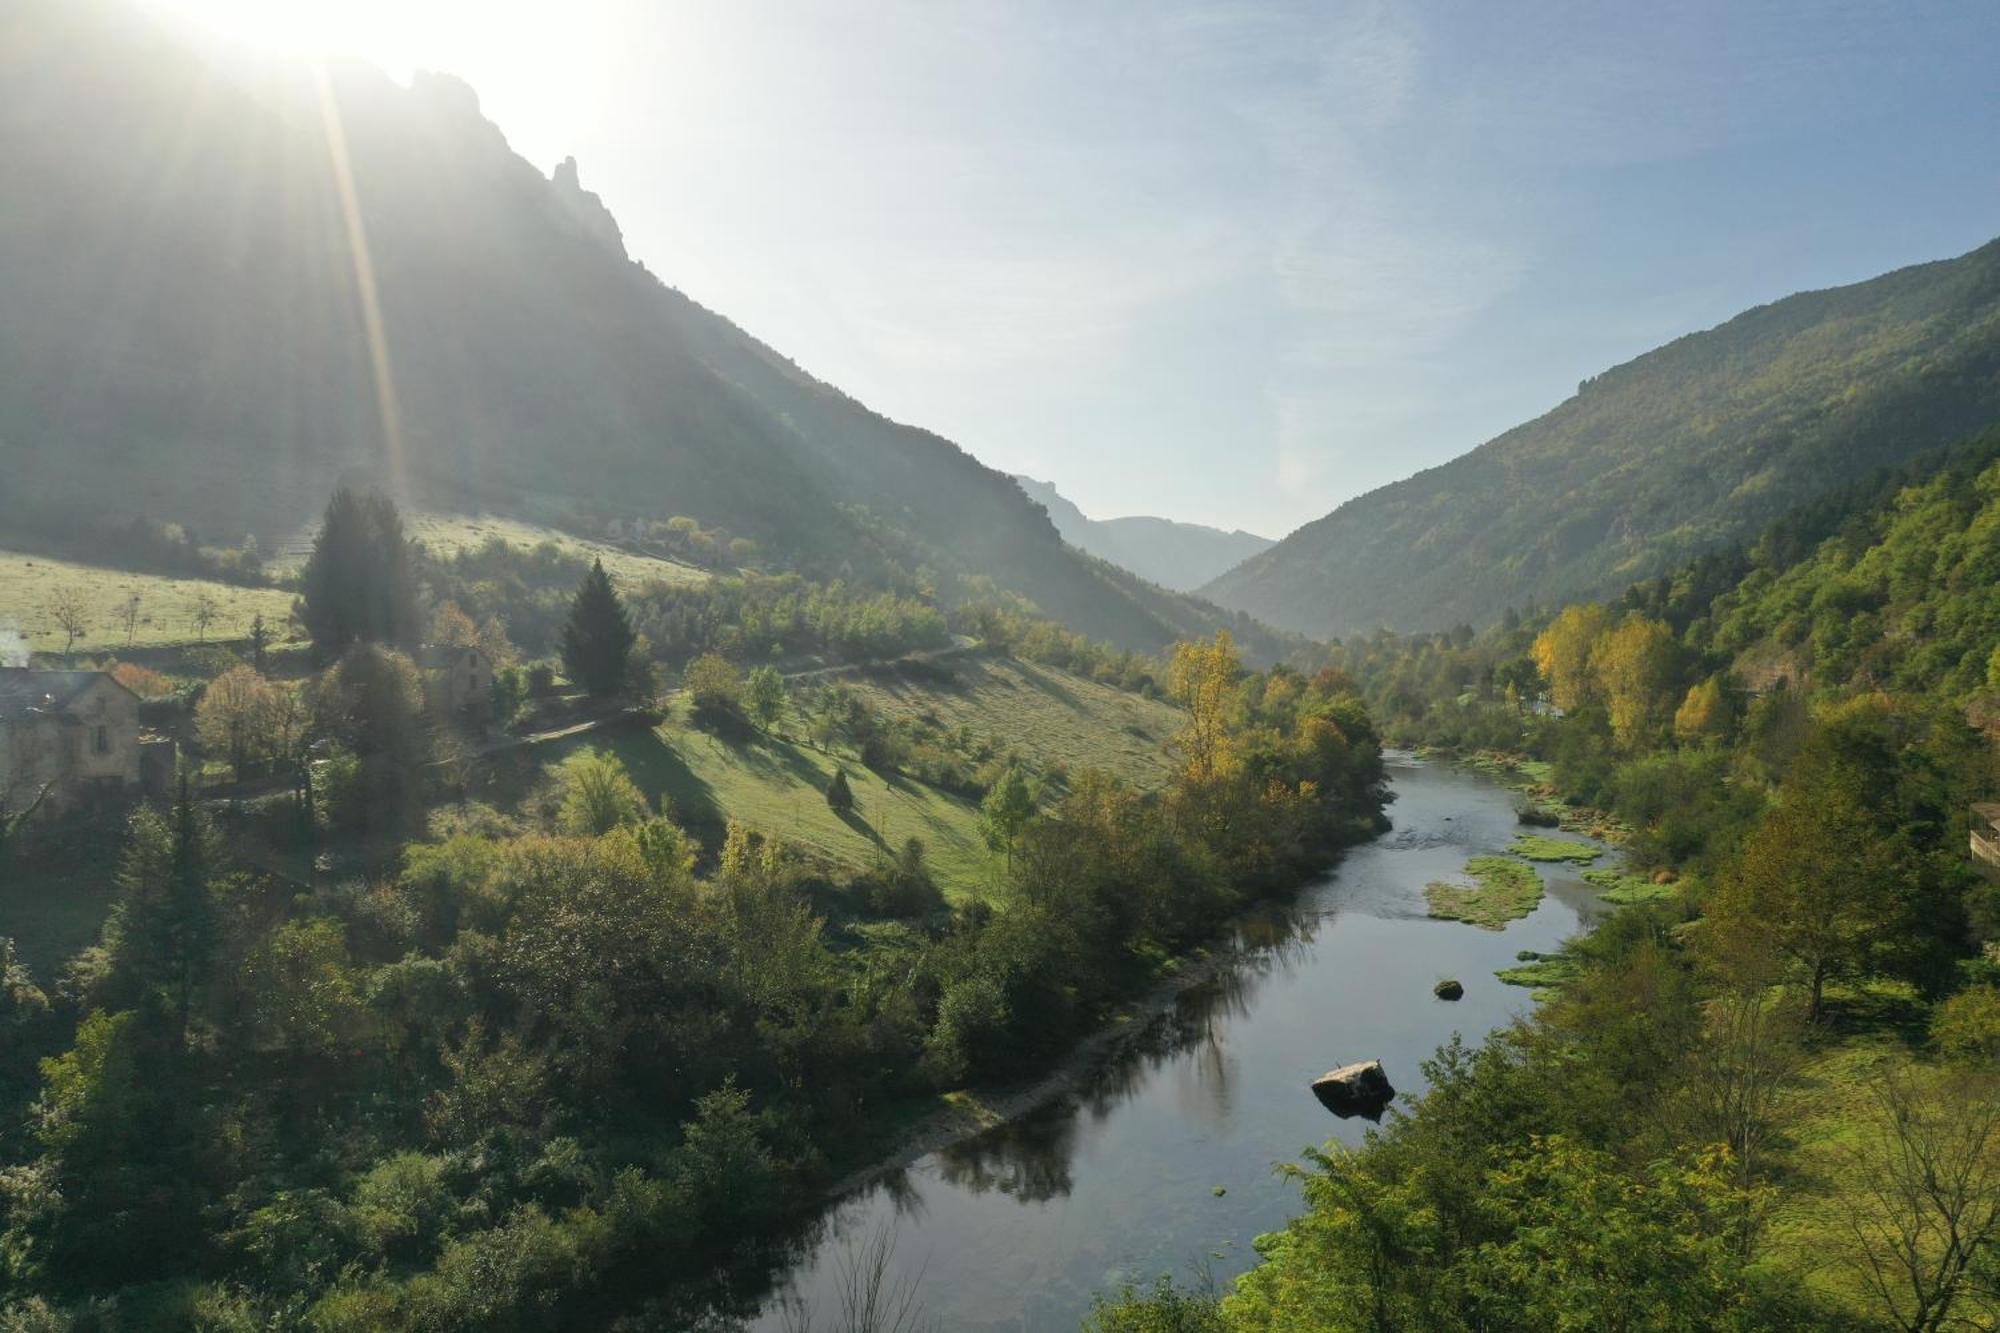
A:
(1232, 263)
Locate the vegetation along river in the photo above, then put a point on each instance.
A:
(1160, 1160)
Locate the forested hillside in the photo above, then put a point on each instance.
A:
(223, 286)
(1762, 1095)
(1696, 444)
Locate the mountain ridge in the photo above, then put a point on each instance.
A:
(1176, 555)
(226, 288)
(1679, 450)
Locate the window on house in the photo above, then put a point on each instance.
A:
(101, 741)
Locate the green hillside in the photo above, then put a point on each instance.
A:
(31, 586)
(1699, 443)
(1053, 718)
(778, 787)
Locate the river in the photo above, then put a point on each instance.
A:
(1162, 1161)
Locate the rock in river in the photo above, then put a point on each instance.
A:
(1358, 1089)
(1448, 989)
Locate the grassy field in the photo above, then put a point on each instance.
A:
(30, 584)
(779, 788)
(448, 533)
(1502, 890)
(1050, 716)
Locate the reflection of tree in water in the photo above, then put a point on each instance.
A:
(1030, 1158)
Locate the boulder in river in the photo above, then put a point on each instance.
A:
(1448, 989)
(1358, 1089)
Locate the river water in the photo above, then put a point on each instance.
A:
(1019, 1228)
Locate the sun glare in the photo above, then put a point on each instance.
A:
(398, 35)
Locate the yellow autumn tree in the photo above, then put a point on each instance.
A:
(1634, 665)
(1202, 676)
(1562, 653)
(1703, 714)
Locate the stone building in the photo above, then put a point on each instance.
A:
(458, 681)
(74, 733)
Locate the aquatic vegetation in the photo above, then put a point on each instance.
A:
(1502, 890)
(1536, 847)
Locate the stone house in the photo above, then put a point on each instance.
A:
(75, 733)
(458, 681)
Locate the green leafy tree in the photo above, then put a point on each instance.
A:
(840, 796)
(1006, 810)
(598, 795)
(764, 693)
(597, 638)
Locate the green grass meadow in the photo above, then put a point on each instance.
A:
(30, 584)
(777, 787)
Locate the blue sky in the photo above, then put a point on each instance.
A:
(1236, 263)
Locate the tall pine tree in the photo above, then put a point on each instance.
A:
(358, 585)
(597, 639)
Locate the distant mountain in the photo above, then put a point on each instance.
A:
(1180, 556)
(224, 286)
(1688, 447)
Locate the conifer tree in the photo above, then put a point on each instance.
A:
(839, 795)
(358, 584)
(165, 926)
(597, 639)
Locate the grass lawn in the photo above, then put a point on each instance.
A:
(1535, 847)
(446, 534)
(779, 788)
(1502, 890)
(29, 585)
(1050, 716)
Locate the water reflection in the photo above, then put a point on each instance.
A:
(1161, 1154)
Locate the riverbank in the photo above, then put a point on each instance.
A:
(1154, 1139)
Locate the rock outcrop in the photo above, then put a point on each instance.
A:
(1448, 989)
(1359, 1089)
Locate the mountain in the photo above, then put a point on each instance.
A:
(1180, 556)
(226, 285)
(1693, 445)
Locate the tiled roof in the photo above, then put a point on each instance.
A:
(24, 690)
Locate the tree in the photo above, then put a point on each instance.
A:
(1201, 678)
(1703, 714)
(203, 615)
(598, 795)
(1562, 653)
(163, 928)
(1926, 1214)
(1634, 664)
(238, 716)
(839, 796)
(371, 702)
(1817, 881)
(765, 693)
(1006, 811)
(67, 609)
(714, 687)
(260, 639)
(358, 584)
(597, 638)
(128, 615)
